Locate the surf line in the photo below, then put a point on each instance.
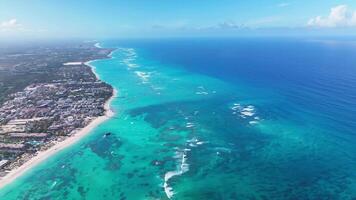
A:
(182, 168)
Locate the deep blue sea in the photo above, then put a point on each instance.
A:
(309, 77)
(223, 118)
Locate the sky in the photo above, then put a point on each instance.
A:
(170, 18)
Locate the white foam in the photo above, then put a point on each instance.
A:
(183, 167)
(244, 111)
(97, 45)
(143, 75)
(193, 140)
(131, 56)
(132, 65)
(253, 122)
(247, 113)
(168, 190)
(236, 106)
(249, 109)
(53, 184)
(202, 91)
(189, 125)
(192, 145)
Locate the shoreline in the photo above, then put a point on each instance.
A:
(58, 146)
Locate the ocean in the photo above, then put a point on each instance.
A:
(214, 118)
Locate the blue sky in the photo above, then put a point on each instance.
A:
(156, 18)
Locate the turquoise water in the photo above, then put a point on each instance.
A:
(181, 133)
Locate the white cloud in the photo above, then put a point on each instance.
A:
(226, 25)
(340, 16)
(229, 25)
(265, 21)
(281, 5)
(11, 24)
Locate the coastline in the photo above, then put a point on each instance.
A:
(58, 146)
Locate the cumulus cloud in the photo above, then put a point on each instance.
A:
(11, 24)
(340, 16)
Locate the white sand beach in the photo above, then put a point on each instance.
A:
(72, 63)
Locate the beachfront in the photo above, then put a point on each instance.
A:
(70, 108)
(58, 146)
